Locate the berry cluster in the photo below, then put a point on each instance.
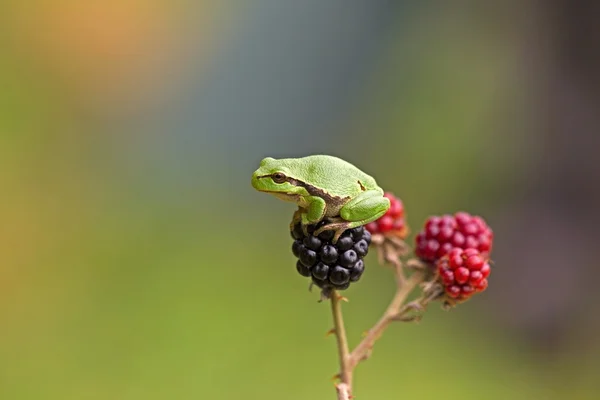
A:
(330, 265)
(392, 221)
(461, 230)
(463, 273)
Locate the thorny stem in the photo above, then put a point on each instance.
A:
(343, 388)
(396, 311)
(343, 391)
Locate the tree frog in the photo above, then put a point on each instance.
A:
(323, 187)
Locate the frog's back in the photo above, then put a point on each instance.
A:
(339, 176)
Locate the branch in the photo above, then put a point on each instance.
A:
(390, 249)
(343, 391)
(395, 311)
(343, 388)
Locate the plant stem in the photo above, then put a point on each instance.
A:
(344, 389)
(392, 313)
(396, 311)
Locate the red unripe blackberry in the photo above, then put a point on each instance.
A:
(453, 291)
(485, 270)
(474, 262)
(463, 273)
(475, 278)
(329, 265)
(481, 286)
(462, 230)
(392, 221)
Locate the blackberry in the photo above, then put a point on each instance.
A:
(443, 233)
(463, 273)
(329, 265)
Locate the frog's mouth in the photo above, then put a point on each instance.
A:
(281, 195)
(284, 196)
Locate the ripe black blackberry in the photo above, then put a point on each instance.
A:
(329, 265)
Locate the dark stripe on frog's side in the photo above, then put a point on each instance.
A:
(313, 191)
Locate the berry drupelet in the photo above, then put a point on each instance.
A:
(461, 230)
(463, 273)
(329, 265)
(392, 221)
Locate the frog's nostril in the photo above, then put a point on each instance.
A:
(255, 179)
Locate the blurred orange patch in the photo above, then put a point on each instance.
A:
(101, 49)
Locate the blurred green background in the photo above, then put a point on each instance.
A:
(136, 261)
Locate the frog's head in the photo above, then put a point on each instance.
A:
(275, 177)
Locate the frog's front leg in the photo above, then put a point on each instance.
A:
(296, 218)
(364, 208)
(313, 213)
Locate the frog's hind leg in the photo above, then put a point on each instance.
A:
(341, 227)
(364, 208)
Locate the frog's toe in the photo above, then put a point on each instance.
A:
(322, 229)
(339, 228)
(338, 233)
(305, 229)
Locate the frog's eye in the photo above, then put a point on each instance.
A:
(278, 177)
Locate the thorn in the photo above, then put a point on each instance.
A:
(325, 294)
(336, 378)
(330, 332)
(408, 318)
(436, 292)
(414, 306)
(342, 298)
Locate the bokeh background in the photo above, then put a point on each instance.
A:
(136, 261)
